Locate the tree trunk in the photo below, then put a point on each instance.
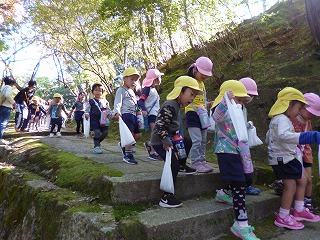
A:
(313, 13)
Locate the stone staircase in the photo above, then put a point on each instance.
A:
(200, 217)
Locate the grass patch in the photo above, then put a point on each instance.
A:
(122, 211)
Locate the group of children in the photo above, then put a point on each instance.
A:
(288, 138)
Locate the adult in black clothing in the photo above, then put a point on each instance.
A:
(23, 99)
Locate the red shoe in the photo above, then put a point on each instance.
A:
(306, 215)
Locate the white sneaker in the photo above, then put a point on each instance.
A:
(58, 134)
(51, 135)
(97, 150)
(5, 142)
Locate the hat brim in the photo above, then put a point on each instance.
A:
(280, 106)
(312, 111)
(220, 96)
(177, 90)
(204, 72)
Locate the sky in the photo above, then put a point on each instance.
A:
(27, 59)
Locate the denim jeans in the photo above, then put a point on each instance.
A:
(4, 119)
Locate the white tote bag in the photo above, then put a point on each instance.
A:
(253, 139)
(126, 137)
(212, 124)
(236, 115)
(86, 126)
(166, 183)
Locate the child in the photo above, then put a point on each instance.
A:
(167, 124)
(78, 108)
(23, 99)
(6, 105)
(149, 103)
(35, 110)
(282, 154)
(252, 91)
(201, 70)
(229, 160)
(95, 108)
(302, 123)
(125, 106)
(54, 110)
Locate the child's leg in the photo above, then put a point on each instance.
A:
(289, 191)
(308, 175)
(81, 122)
(239, 203)
(195, 135)
(78, 126)
(104, 133)
(53, 125)
(96, 137)
(301, 188)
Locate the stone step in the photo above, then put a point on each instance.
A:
(203, 219)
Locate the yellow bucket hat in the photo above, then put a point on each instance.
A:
(130, 71)
(238, 89)
(179, 83)
(35, 98)
(284, 97)
(57, 95)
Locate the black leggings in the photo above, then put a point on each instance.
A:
(239, 204)
(79, 122)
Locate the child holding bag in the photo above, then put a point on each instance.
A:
(252, 91)
(125, 106)
(302, 123)
(229, 160)
(99, 111)
(149, 103)
(166, 131)
(283, 157)
(201, 70)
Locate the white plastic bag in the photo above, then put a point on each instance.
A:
(212, 124)
(253, 139)
(166, 183)
(86, 126)
(236, 115)
(126, 137)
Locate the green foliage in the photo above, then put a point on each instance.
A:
(121, 211)
(71, 171)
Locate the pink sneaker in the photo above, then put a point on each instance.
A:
(199, 167)
(288, 222)
(305, 215)
(207, 166)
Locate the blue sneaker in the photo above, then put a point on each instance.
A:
(129, 159)
(253, 191)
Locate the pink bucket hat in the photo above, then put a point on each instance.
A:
(250, 85)
(313, 101)
(151, 75)
(204, 66)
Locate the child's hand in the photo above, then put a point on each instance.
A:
(230, 94)
(86, 116)
(168, 147)
(144, 113)
(116, 116)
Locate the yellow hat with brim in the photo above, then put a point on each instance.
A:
(57, 95)
(179, 83)
(130, 71)
(284, 97)
(238, 89)
(35, 98)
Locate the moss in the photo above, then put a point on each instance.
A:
(122, 211)
(131, 229)
(265, 175)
